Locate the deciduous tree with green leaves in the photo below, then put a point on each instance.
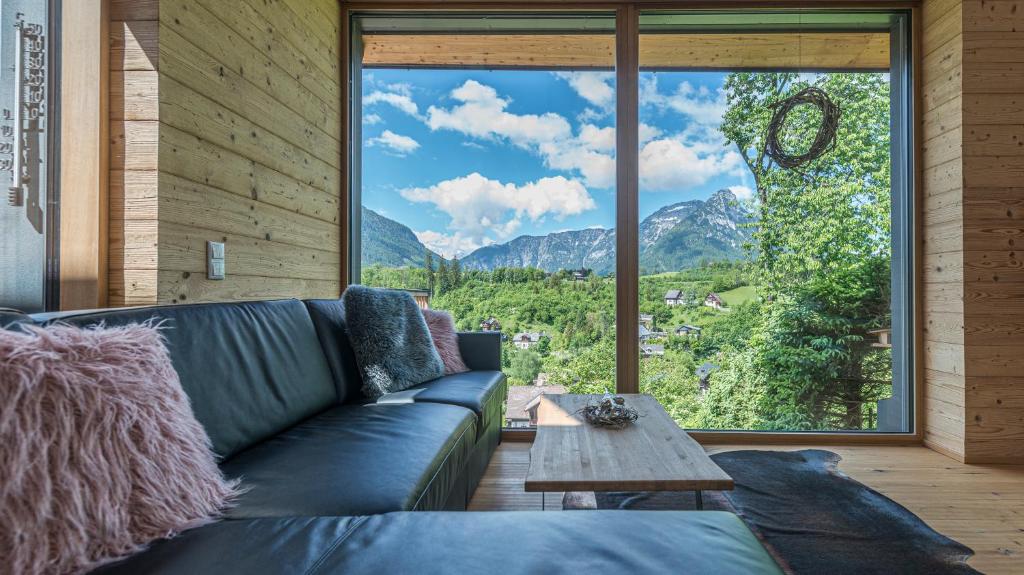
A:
(822, 248)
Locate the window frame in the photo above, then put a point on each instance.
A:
(905, 236)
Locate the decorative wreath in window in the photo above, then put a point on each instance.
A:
(824, 140)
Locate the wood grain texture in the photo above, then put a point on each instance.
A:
(121, 10)
(973, 226)
(627, 192)
(652, 454)
(225, 126)
(993, 230)
(134, 45)
(134, 156)
(839, 50)
(977, 505)
(942, 268)
(84, 154)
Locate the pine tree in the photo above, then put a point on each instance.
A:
(456, 271)
(443, 284)
(428, 264)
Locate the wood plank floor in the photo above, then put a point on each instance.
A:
(981, 506)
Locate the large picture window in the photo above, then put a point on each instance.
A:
(486, 177)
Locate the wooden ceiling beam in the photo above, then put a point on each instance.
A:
(808, 51)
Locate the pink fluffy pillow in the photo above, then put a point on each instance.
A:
(442, 331)
(100, 453)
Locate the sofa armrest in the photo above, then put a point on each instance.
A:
(481, 350)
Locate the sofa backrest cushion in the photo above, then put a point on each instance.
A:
(329, 318)
(11, 318)
(250, 369)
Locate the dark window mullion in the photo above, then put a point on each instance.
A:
(627, 73)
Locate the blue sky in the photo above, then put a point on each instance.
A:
(468, 158)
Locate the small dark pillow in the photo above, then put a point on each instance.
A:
(390, 340)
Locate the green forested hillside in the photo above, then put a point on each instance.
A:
(578, 318)
(388, 243)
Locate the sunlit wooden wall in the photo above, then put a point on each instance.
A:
(134, 130)
(228, 130)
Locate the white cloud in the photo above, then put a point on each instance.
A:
(481, 114)
(400, 100)
(671, 165)
(698, 104)
(449, 245)
(742, 193)
(590, 115)
(596, 168)
(473, 145)
(400, 87)
(481, 208)
(598, 139)
(648, 132)
(371, 119)
(594, 87)
(396, 143)
(681, 160)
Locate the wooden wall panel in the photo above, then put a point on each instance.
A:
(993, 209)
(249, 148)
(134, 124)
(225, 125)
(84, 154)
(973, 217)
(942, 219)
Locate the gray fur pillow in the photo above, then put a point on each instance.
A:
(390, 339)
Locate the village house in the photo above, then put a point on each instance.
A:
(651, 349)
(580, 275)
(490, 324)
(647, 320)
(647, 334)
(674, 297)
(714, 301)
(688, 330)
(526, 340)
(523, 401)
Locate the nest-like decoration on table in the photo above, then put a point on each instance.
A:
(824, 139)
(609, 412)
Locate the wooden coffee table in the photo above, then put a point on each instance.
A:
(653, 454)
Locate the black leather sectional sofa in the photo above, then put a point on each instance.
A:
(340, 485)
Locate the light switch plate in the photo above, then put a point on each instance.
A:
(216, 250)
(215, 260)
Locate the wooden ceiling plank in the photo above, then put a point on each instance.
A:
(810, 51)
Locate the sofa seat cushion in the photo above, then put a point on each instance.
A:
(355, 460)
(483, 392)
(266, 546)
(512, 542)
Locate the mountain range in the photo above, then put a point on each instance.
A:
(674, 237)
(389, 243)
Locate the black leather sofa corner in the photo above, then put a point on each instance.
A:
(337, 484)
